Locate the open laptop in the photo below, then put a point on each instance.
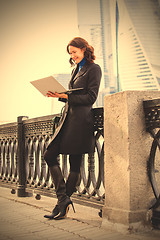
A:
(44, 85)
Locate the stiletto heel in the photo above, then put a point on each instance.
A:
(73, 207)
(64, 208)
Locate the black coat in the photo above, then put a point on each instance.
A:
(76, 124)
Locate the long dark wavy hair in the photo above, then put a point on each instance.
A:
(81, 43)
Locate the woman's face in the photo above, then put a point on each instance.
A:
(76, 54)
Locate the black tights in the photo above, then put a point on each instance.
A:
(52, 153)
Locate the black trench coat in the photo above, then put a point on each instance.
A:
(76, 123)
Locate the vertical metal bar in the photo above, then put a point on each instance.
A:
(117, 56)
(21, 191)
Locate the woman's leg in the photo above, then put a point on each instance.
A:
(74, 175)
(64, 201)
(50, 157)
(75, 162)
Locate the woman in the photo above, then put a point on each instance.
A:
(75, 135)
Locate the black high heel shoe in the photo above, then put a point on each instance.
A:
(64, 208)
(54, 213)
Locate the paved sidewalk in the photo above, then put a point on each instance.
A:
(22, 219)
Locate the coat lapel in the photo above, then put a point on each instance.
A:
(80, 73)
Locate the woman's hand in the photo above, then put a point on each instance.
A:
(57, 95)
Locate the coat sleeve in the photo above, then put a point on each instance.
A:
(93, 83)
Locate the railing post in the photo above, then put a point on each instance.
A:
(21, 191)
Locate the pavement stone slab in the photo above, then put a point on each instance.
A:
(23, 219)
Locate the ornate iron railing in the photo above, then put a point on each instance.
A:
(152, 119)
(22, 165)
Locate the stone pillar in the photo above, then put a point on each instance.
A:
(126, 150)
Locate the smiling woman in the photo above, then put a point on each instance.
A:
(75, 132)
(33, 41)
(76, 54)
(78, 49)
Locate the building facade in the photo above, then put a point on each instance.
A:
(138, 44)
(126, 36)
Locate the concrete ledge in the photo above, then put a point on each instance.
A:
(126, 149)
